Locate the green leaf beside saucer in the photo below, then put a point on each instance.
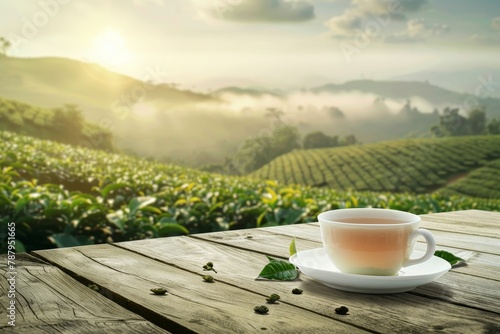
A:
(452, 259)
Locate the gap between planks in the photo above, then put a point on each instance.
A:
(141, 258)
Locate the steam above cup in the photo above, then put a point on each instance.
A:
(370, 241)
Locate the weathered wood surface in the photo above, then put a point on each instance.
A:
(191, 303)
(49, 301)
(381, 312)
(463, 300)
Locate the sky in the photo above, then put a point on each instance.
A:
(206, 44)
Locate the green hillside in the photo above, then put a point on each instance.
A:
(413, 165)
(52, 81)
(60, 195)
(482, 182)
(64, 124)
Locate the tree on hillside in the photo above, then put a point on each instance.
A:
(68, 122)
(318, 139)
(407, 109)
(4, 46)
(349, 140)
(253, 154)
(285, 139)
(451, 123)
(476, 122)
(258, 151)
(274, 112)
(494, 127)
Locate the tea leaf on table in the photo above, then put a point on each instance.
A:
(293, 249)
(452, 259)
(279, 270)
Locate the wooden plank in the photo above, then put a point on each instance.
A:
(483, 215)
(463, 224)
(468, 242)
(478, 264)
(405, 312)
(477, 217)
(277, 245)
(470, 222)
(191, 304)
(47, 301)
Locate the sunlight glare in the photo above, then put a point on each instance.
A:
(109, 50)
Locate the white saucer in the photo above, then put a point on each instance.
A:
(316, 264)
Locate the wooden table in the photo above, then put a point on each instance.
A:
(52, 293)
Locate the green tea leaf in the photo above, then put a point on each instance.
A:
(293, 249)
(169, 229)
(117, 218)
(139, 203)
(452, 259)
(110, 187)
(279, 270)
(64, 240)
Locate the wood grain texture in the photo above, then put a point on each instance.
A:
(463, 300)
(277, 245)
(190, 303)
(468, 226)
(49, 301)
(404, 313)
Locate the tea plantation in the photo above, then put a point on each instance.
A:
(482, 182)
(413, 165)
(59, 195)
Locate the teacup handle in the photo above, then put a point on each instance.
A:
(431, 246)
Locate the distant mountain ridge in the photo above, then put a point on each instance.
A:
(252, 91)
(400, 90)
(463, 80)
(396, 90)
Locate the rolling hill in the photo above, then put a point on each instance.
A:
(62, 124)
(460, 80)
(412, 165)
(51, 81)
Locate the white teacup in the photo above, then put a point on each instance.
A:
(369, 241)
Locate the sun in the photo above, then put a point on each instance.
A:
(109, 50)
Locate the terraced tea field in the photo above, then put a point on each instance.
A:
(482, 182)
(42, 123)
(413, 165)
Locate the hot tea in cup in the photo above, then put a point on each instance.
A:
(369, 241)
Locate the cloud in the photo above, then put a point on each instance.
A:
(344, 25)
(265, 11)
(417, 30)
(364, 11)
(495, 24)
(491, 39)
(398, 9)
